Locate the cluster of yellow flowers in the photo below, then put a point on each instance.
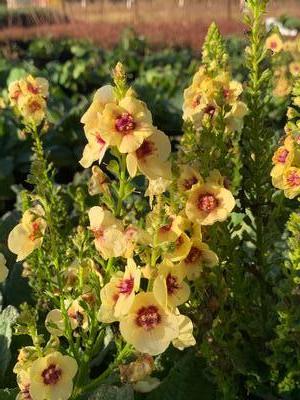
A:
(29, 96)
(213, 96)
(151, 266)
(286, 160)
(286, 63)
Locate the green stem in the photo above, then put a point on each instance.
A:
(122, 185)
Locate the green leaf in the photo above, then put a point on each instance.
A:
(185, 381)
(7, 318)
(107, 392)
(8, 394)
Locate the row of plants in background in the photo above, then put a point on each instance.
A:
(158, 273)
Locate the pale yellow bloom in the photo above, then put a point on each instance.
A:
(185, 337)
(98, 182)
(182, 247)
(235, 117)
(171, 230)
(94, 150)
(127, 124)
(32, 108)
(34, 86)
(200, 256)
(78, 316)
(23, 381)
(291, 182)
(3, 268)
(149, 326)
(14, 92)
(274, 43)
(171, 278)
(118, 295)
(283, 87)
(283, 158)
(208, 203)
(51, 377)
(156, 187)
(151, 157)
(189, 177)
(28, 234)
(54, 322)
(294, 68)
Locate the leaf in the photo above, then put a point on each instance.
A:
(186, 380)
(7, 318)
(8, 394)
(107, 392)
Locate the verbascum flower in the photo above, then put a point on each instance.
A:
(291, 182)
(171, 230)
(149, 327)
(200, 256)
(98, 182)
(78, 315)
(185, 337)
(23, 380)
(294, 68)
(156, 187)
(181, 248)
(171, 278)
(126, 124)
(51, 377)
(54, 322)
(90, 119)
(118, 295)
(282, 159)
(3, 268)
(137, 370)
(32, 108)
(28, 235)
(151, 157)
(34, 86)
(94, 150)
(14, 92)
(230, 89)
(282, 87)
(234, 119)
(110, 239)
(208, 203)
(189, 177)
(274, 43)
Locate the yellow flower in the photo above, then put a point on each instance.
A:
(294, 68)
(118, 295)
(208, 203)
(283, 158)
(234, 118)
(127, 124)
(188, 178)
(3, 268)
(199, 256)
(23, 381)
(14, 92)
(171, 278)
(94, 150)
(149, 326)
(98, 182)
(34, 86)
(28, 235)
(110, 239)
(231, 90)
(90, 119)
(54, 322)
(274, 43)
(78, 316)
(185, 337)
(170, 231)
(291, 182)
(151, 157)
(32, 108)
(282, 88)
(51, 377)
(182, 247)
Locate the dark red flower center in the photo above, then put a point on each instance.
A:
(172, 284)
(193, 255)
(51, 375)
(166, 228)
(210, 110)
(293, 179)
(145, 150)
(282, 156)
(35, 232)
(125, 123)
(188, 183)
(148, 317)
(98, 233)
(126, 286)
(207, 202)
(179, 241)
(34, 106)
(32, 89)
(273, 45)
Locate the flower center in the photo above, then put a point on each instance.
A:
(207, 202)
(148, 317)
(32, 89)
(126, 286)
(193, 255)
(145, 150)
(210, 110)
(51, 375)
(293, 179)
(179, 241)
(172, 284)
(188, 183)
(273, 45)
(166, 228)
(34, 106)
(16, 95)
(226, 93)
(35, 233)
(98, 233)
(125, 123)
(282, 156)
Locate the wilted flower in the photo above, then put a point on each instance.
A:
(3, 268)
(137, 370)
(98, 182)
(149, 326)
(28, 235)
(51, 377)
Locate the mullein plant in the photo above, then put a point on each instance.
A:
(118, 279)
